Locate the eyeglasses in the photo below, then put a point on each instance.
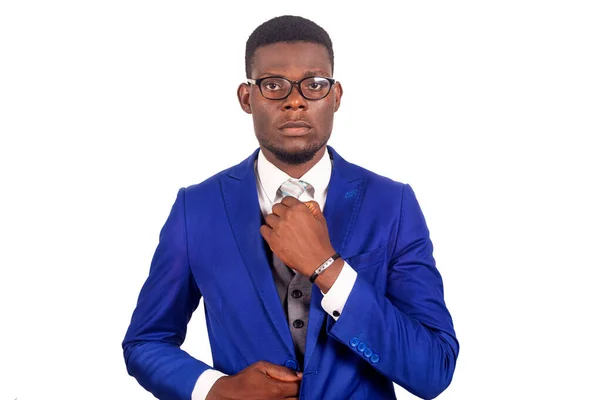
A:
(278, 88)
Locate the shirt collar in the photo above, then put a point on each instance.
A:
(272, 177)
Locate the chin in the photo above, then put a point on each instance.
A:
(295, 155)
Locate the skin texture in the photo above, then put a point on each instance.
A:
(297, 235)
(294, 61)
(295, 231)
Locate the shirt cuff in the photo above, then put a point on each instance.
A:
(335, 299)
(205, 382)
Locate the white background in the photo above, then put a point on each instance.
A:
(490, 110)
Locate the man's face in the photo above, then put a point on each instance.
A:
(294, 61)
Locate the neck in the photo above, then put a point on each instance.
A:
(295, 171)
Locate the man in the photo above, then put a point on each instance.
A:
(350, 297)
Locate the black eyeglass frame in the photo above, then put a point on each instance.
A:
(258, 82)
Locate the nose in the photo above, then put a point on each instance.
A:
(295, 100)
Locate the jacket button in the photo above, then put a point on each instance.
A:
(298, 324)
(354, 342)
(361, 347)
(375, 358)
(368, 352)
(291, 364)
(296, 294)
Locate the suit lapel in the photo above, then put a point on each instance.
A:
(344, 195)
(241, 202)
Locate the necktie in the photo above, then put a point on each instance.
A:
(295, 188)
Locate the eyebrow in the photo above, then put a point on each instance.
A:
(306, 74)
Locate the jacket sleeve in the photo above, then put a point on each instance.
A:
(159, 323)
(406, 333)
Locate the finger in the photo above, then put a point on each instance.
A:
(290, 201)
(272, 220)
(281, 373)
(279, 209)
(313, 206)
(283, 377)
(288, 389)
(266, 231)
(315, 209)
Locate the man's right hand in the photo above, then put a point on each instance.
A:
(262, 380)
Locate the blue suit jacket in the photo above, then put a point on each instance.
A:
(395, 326)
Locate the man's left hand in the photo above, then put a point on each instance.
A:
(297, 233)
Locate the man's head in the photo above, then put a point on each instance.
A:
(296, 127)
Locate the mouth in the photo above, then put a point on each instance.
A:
(295, 128)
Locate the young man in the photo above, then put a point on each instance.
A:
(349, 296)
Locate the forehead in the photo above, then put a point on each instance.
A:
(291, 59)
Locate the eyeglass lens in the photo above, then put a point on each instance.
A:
(312, 88)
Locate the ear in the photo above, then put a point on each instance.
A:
(243, 94)
(338, 91)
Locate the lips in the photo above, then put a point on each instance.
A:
(295, 124)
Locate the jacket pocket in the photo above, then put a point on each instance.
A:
(365, 260)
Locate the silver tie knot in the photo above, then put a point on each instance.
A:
(294, 187)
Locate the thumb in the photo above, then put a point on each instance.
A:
(281, 373)
(314, 208)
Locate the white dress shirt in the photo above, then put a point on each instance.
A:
(268, 180)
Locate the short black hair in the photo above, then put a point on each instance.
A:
(287, 28)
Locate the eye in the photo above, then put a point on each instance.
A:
(316, 84)
(274, 85)
(271, 86)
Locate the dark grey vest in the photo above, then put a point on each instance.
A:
(294, 293)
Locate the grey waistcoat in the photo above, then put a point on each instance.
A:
(294, 292)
